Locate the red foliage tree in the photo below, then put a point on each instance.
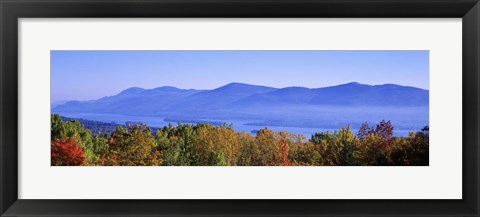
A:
(284, 152)
(284, 149)
(66, 153)
(385, 130)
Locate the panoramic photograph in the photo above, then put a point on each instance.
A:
(240, 108)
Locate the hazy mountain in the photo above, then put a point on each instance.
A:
(284, 96)
(365, 95)
(300, 106)
(133, 100)
(219, 97)
(351, 94)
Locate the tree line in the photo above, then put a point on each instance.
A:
(203, 144)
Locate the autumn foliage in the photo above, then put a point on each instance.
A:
(66, 153)
(206, 145)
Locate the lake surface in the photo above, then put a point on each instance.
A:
(238, 124)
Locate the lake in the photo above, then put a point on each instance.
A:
(240, 125)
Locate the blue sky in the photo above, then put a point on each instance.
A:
(85, 75)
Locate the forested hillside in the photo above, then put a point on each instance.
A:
(207, 145)
(97, 127)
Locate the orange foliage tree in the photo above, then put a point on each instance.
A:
(66, 153)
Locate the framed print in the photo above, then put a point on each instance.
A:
(221, 121)
(230, 108)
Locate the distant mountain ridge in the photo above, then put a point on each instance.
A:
(237, 96)
(334, 106)
(220, 97)
(130, 101)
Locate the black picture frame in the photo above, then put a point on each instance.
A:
(12, 10)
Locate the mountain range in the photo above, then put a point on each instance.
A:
(238, 100)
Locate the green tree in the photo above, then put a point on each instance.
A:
(413, 150)
(170, 149)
